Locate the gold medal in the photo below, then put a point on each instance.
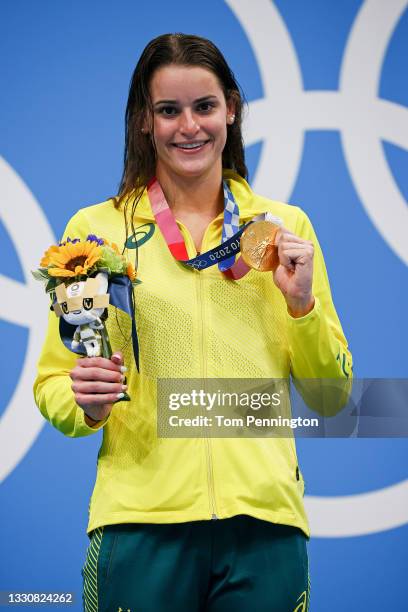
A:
(258, 248)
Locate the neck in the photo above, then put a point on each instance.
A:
(193, 195)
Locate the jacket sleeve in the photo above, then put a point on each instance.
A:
(52, 387)
(317, 345)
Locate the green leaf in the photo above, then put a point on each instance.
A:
(41, 274)
(52, 283)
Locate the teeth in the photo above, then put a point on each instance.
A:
(192, 145)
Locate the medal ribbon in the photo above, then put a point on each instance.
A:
(223, 255)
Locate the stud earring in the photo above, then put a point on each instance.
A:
(231, 119)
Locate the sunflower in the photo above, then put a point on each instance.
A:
(45, 261)
(73, 259)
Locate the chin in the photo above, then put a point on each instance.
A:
(193, 170)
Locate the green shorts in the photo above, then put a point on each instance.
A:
(239, 564)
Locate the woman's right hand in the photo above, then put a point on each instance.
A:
(97, 383)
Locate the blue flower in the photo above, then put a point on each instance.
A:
(74, 241)
(93, 238)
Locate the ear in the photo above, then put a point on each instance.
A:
(231, 107)
(146, 124)
(102, 278)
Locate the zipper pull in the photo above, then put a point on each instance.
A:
(214, 517)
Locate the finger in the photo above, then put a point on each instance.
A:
(294, 256)
(101, 399)
(96, 374)
(88, 387)
(117, 358)
(307, 247)
(98, 362)
(282, 231)
(284, 234)
(292, 244)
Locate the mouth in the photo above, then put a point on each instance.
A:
(190, 146)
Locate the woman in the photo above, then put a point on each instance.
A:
(194, 523)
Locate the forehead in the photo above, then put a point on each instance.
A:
(184, 82)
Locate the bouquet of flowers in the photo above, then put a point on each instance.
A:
(78, 274)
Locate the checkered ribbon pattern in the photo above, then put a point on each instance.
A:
(230, 225)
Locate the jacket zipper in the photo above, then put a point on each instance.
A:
(203, 370)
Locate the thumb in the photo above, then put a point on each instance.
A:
(117, 358)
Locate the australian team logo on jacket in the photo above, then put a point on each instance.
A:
(142, 234)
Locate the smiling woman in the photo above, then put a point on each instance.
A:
(195, 523)
(190, 128)
(189, 133)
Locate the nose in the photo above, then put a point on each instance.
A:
(188, 123)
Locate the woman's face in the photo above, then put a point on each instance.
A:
(190, 116)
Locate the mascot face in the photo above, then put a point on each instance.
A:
(84, 302)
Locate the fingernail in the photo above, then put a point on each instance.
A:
(123, 369)
(124, 387)
(120, 395)
(116, 356)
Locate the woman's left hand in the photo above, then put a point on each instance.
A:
(294, 273)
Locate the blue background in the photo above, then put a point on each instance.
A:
(65, 70)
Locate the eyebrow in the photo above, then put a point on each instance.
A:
(202, 99)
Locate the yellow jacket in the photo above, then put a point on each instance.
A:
(195, 325)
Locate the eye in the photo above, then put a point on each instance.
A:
(88, 303)
(64, 307)
(205, 107)
(167, 111)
